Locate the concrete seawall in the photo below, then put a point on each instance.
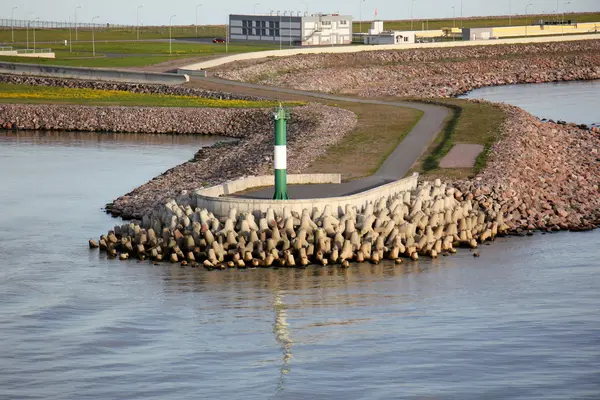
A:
(96, 74)
(213, 200)
(356, 49)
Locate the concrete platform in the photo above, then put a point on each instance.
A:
(462, 156)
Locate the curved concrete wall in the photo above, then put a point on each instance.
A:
(356, 49)
(212, 199)
(96, 74)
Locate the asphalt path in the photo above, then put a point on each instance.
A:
(395, 167)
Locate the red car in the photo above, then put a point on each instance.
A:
(218, 40)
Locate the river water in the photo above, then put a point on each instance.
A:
(577, 102)
(520, 322)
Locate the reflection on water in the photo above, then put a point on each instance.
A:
(106, 139)
(519, 322)
(282, 335)
(567, 101)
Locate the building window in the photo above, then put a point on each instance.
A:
(327, 23)
(343, 22)
(406, 39)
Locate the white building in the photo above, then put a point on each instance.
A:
(289, 29)
(377, 35)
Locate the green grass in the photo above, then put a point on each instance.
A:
(29, 94)
(419, 24)
(99, 61)
(156, 48)
(380, 129)
(469, 123)
(85, 34)
(133, 54)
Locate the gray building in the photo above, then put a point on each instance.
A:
(477, 33)
(291, 29)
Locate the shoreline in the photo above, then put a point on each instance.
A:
(540, 176)
(424, 73)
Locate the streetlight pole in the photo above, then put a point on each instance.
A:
(93, 42)
(563, 16)
(70, 40)
(197, 6)
(412, 2)
(227, 35)
(461, 13)
(255, 5)
(76, 36)
(280, 39)
(37, 19)
(453, 17)
(137, 20)
(360, 15)
(28, 16)
(170, 34)
(509, 12)
(527, 19)
(12, 23)
(290, 29)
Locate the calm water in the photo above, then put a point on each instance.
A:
(577, 102)
(520, 322)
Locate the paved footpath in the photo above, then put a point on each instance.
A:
(395, 167)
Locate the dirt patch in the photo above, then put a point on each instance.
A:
(462, 156)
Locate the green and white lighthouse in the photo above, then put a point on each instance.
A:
(281, 117)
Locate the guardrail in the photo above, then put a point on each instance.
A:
(33, 51)
(94, 74)
(6, 48)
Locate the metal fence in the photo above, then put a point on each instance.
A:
(7, 23)
(33, 51)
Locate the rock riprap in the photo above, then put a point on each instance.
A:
(545, 175)
(312, 130)
(431, 221)
(128, 87)
(443, 72)
(232, 122)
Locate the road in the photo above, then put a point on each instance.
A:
(395, 167)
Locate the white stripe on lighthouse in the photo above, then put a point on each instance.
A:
(281, 157)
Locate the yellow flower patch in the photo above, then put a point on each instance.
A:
(39, 94)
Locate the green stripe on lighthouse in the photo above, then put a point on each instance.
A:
(281, 117)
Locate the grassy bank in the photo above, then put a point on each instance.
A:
(133, 54)
(419, 24)
(10, 93)
(469, 123)
(117, 33)
(379, 131)
(361, 152)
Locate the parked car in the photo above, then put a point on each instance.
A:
(218, 40)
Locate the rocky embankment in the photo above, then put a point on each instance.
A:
(543, 175)
(432, 220)
(528, 184)
(443, 72)
(128, 87)
(312, 129)
(230, 122)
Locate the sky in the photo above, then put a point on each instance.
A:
(157, 12)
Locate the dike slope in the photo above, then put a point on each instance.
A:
(444, 72)
(539, 175)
